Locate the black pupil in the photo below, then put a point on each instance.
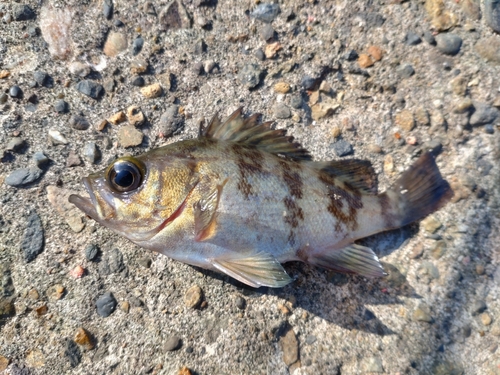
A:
(124, 176)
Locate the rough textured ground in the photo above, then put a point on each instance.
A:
(437, 312)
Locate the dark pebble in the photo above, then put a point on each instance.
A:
(478, 307)
(259, 54)
(107, 9)
(492, 14)
(32, 84)
(22, 12)
(118, 23)
(200, 47)
(351, 55)
(449, 44)
(109, 84)
(198, 68)
(170, 121)
(137, 81)
(72, 352)
(406, 71)
(240, 302)
(40, 159)
(106, 304)
(296, 101)
(173, 343)
(33, 238)
(266, 12)
(32, 32)
(91, 252)
(145, 262)
(3, 98)
(41, 78)
(483, 114)
(137, 45)
(429, 38)
(434, 146)
(308, 82)
(61, 106)
(412, 39)
(79, 123)
(267, 32)
(281, 111)
(250, 75)
(91, 152)
(23, 176)
(90, 88)
(342, 148)
(489, 129)
(112, 263)
(15, 92)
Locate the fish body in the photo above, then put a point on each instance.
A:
(243, 198)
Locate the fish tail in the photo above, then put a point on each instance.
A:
(420, 191)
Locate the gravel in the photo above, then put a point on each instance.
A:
(492, 14)
(342, 148)
(23, 176)
(412, 39)
(90, 88)
(16, 92)
(106, 304)
(448, 43)
(33, 240)
(266, 12)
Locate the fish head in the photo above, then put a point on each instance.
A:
(138, 197)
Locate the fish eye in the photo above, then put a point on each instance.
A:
(125, 176)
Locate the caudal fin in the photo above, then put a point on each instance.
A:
(420, 191)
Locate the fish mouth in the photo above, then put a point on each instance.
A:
(87, 205)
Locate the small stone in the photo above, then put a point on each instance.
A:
(33, 239)
(296, 101)
(208, 66)
(388, 165)
(112, 262)
(335, 132)
(170, 121)
(79, 123)
(7, 309)
(417, 251)
(342, 148)
(376, 52)
(16, 92)
(117, 118)
(250, 75)
(61, 106)
(41, 310)
(137, 45)
(84, 338)
(115, 44)
(365, 61)
(323, 109)
(492, 14)
(184, 371)
(259, 54)
(90, 88)
(4, 362)
(480, 269)
(23, 176)
(290, 347)
(478, 307)
(34, 359)
(193, 297)
(135, 116)
(152, 91)
(200, 47)
(129, 136)
(22, 12)
(41, 78)
(272, 49)
(125, 306)
(372, 365)
(308, 82)
(174, 16)
(266, 12)
(79, 69)
(109, 84)
(404, 120)
(405, 71)
(137, 81)
(138, 66)
(240, 302)
(483, 114)
(282, 87)
(91, 152)
(448, 43)
(429, 38)
(459, 85)
(33, 294)
(145, 262)
(91, 252)
(438, 249)
(431, 224)
(374, 149)
(172, 343)
(58, 198)
(40, 159)
(3, 98)
(4, 74)
(106, 304)
(55, 292)
(485, 319)
(421, 314)
(463, 106)
(489, 48)
(78, 272)
(281, 111)
(72, 352)
(412, 39)
(15, 144)
(73, 159)
(267, 32)
(107, 9)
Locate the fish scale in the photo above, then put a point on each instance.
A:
(244, 198)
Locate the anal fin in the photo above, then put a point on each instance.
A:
(351, 259)
(256, 270)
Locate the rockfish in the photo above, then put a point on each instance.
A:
(243, 198)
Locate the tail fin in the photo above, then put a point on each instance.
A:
(420, 191)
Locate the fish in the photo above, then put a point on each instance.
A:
(243, 197)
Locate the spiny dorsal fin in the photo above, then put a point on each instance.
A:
(359, 173)
(259, 135)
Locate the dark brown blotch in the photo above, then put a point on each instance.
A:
(386, 211)
(292, 178)
(249, 162)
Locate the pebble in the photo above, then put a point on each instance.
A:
(308, 82)
(417, 251)
(137, 45)
(240, 302)
(79, 123)
(7, 309)
(209, 66)
(90, 88)
(272, 49)
(282, 87)
(92, 252)
(106, 304)
(489, 48)
(174, 16)
(290, 347)
(405, 71)
(33, 238)
(84, 338)
(421, 314)
(184, 371)
(365, 61)
(112, 262)
(323, 109)
(117, 118)
(58, 198)
(472, 9)
(259, 54)
(145, 262)
(15, 144)
(266, 12)
(281, 111)
(296, 101)
(388, 165)
(3, 98)
(459, 85)
(55, 292)
(478, 307)
(485, 319)
(115, 44)
(431, 224)
(463, 106)
(129, 136)
(61, 106)
(4, 362)
(448, 43)
(351, 55)
(438, 249)
(172, 343)
(23, 176)
(200, 47)
(267, 33)
(404, 120)
(73, 160)
(137, 81)
(107, 9)
(4, 74)
(170, 121)
(41, 310)
(91, 152)
(135, 116)
(72, 352)
(372, 365)
(193, 297)
(492, 14)
(412, 39)
(483, 114)
(376, 52)
(16, 92)
(22, 12)
(79, 69)
(342, 148)
(41, 78)
(152, 91)
(428, 269)
(78, 272)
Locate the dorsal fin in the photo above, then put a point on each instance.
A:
(359, 173)
(250, 132)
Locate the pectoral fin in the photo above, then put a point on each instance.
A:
(256, 270)
(205, 213)
(352, 259)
